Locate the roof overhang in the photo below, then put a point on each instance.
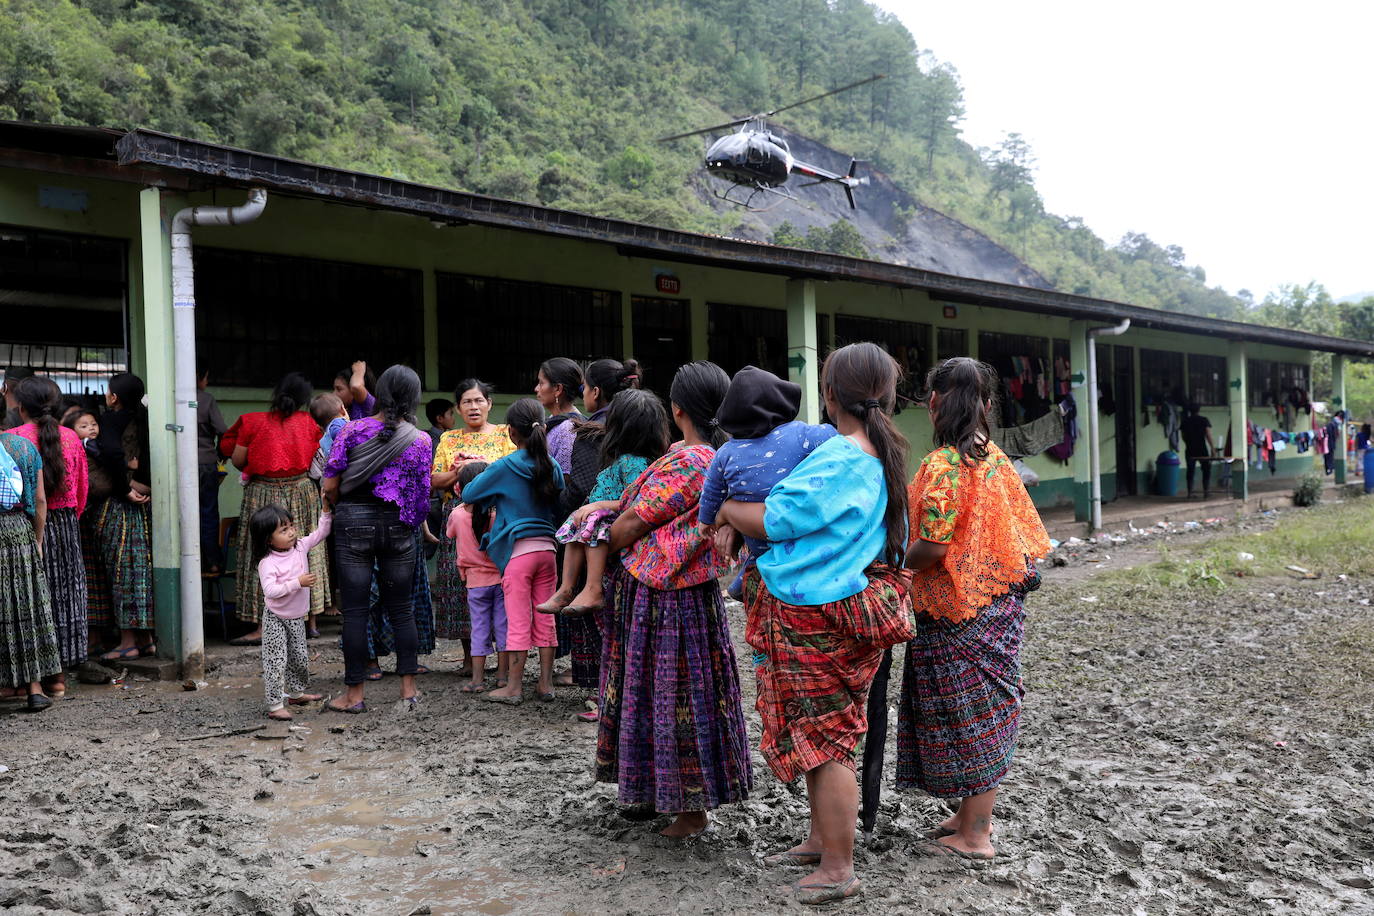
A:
(145, 155)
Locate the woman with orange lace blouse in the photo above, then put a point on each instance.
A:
(975, 537)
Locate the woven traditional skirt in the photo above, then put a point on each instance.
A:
(815, 665)
(300, 496)
(66, 573)
(126, 547)
(961, 700)
(28, 638)
(380, 639)
(99, 604)
(452, 620)
(672, 725)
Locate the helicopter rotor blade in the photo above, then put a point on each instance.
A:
(705, 130)
(864, 82)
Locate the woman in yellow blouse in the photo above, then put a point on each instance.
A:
(476, 439)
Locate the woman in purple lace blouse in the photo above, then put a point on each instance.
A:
(377, 478)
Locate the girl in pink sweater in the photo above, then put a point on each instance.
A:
(283, 561)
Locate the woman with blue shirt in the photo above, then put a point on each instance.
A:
(824, 601)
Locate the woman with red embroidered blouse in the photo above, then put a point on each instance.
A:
(975, 537)
(274, 448)
(672, 729)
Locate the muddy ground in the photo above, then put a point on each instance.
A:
(1186, 752)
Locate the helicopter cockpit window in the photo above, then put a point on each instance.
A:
(757, 155)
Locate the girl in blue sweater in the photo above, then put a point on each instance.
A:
(523, 490)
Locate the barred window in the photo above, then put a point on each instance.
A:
(950, 342)
(1022, 362)
(1271, 381)
(1207, 380)
(1161, 377)
(743, 335)
(259, 316)
(907, 341)
(501, 330)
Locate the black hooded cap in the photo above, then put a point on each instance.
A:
(757, 402)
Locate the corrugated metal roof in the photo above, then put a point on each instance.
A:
(188, 157)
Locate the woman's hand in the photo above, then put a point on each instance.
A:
(138, 498)
(728, 541)
(581, 513)
(746, 518)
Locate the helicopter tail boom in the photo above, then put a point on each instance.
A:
(849, 180)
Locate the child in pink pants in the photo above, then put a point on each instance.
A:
(521, 490)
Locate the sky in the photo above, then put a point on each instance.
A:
(1241, 132)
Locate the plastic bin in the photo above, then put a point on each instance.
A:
(1166, 473)
(1369, 470)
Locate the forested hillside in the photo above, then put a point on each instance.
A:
(559, 101)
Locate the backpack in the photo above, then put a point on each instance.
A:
(11, 481)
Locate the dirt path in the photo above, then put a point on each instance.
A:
(1181, 753)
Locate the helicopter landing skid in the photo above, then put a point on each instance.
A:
(753, 191)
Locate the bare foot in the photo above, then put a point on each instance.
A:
(561, 599)
(688, 823)
(823, 875)
(507, 691)
(280, 715)
(590, 598)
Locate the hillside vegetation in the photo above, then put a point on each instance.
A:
(560, 102)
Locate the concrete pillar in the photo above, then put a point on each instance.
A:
(430, 296)
(1338, 403)
(1238, 374)
(699, 326)
(1078, 367)
(803, 357)
(154, 219)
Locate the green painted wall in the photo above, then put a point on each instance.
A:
(326, 230)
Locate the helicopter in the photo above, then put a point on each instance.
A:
(758, 160)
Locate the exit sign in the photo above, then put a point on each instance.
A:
(667, 283)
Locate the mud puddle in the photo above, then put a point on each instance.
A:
(375, 840)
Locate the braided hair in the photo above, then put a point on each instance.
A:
(398, 394)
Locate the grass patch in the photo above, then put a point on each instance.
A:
(1327, 540)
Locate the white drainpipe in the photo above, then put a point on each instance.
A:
(1094, 440)
(184, 367)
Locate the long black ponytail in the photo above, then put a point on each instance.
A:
(863, 378)
(398, 394)
(41, 399)
(967, 390)
(527, 417)
(291, 394)
(698, 388)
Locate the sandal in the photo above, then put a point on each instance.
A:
(589, 716)
(56, 686)
(818, 894)
(312, 633)
(115, 655)
(355, 709)
(304, 699)
(241, 641)
(508, 701)
(546, 696)
(473, 688)
(280, 715)
(374, 673)
(148, 650)
(37, 702)
(422, 669)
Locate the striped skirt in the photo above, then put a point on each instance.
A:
(66, 573)
(961, 700)
(452, 619)
(672, 725)
(380, 640)
(126, 548)
(99, 604)
(28, 638)
(300, 496)
(815, 665)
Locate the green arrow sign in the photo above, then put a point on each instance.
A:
(1236, 383)
(1078, 378)
(796, 361)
